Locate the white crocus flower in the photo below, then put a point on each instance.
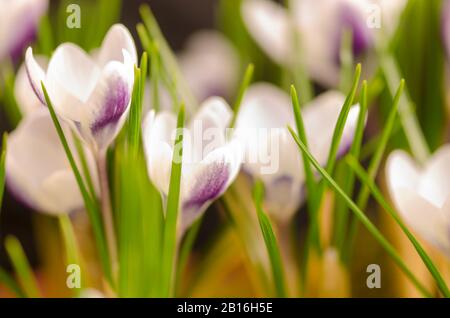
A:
(320, 25)
(19, 21)
(271, 153)
(209, 163)
(26, 100)
(422, 194)
(92, 94)
(37, 169)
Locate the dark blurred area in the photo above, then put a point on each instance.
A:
(178, 19)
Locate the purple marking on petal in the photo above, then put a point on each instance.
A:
(362, 40)
(209, 185)
(115, 104)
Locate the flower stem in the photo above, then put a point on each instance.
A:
(105, 198)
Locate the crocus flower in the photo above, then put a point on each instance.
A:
(270, 152)
(209, 163)
(210, 65)
(37, 169)
(320, 25)
(26, 100)
(92, 95)
(19, 21)
(422, 194)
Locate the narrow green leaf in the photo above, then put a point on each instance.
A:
(270, 241)
(70, 242)
(22, 267)
(368, 181)
(9, 282)
(411, 126)
(374, 165)
(341, 215)
(173, 201)
(134, 119)
(2, 167)
(91, 206)
(313, 236)
(168, 58)
(342, 119)
(84, 166)
(242, 89)
(362, 217)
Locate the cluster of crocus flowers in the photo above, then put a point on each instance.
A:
(261, 126)
(19, 20)
(319, 26)
(422, 194)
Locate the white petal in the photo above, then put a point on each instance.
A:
(207, 129)
(23, 92)
(435, 181)
(60, 192)
(265, 106)
(269, 23)
(117, 39)
(72, 70)
(261, 126)
(36, 74)
(35, 157)
(157, 139)
(403, 180)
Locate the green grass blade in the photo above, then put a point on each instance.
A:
(84, 166)
(22, 267)
(362, 218)
(9, 282)
(270, 241)
(2, 167)
(367, 180)
(91, 206)
(173, 202)
(374, 165)
(134, 120)
(168, 58)
(242, 89)
(342, 119)
(313, 236)
(70, 242)
(341, 215)
(411, 126)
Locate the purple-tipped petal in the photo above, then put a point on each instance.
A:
(115, 105)
(207, 185)
(109, 104)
